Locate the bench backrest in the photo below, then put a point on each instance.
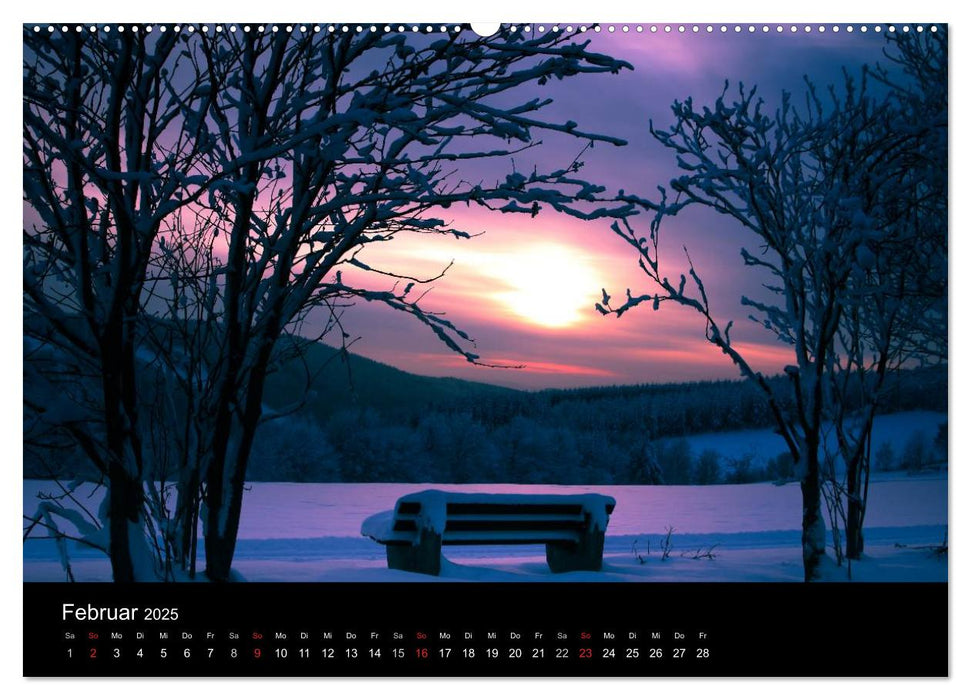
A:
(468, 518)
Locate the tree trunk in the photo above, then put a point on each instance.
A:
(223, 518)
(857, 478)
(125, 493)
(854, 526)
(225, 503)
(221, 532)
(187, 513)
(121, 497)
(854, 515)
(813, 525)
(232, 445)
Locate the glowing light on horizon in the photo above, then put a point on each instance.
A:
(549, 285)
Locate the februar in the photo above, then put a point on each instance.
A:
(90, 612)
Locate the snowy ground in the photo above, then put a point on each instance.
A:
(761, 445)
(311, 532)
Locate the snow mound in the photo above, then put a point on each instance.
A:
(379, 527)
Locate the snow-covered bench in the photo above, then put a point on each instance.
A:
(572, 527)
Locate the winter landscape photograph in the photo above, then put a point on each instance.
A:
(313, 303)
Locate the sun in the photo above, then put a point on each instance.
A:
(551, 286)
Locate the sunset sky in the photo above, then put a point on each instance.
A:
(525, 289)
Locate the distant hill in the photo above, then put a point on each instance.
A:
(342, 380)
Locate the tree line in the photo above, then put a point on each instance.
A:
(602, 435)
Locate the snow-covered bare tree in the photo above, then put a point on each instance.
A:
(815, 185)
(108, 158)
(234, 181)
(332, 144)
(900, 315)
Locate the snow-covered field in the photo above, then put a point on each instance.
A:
(311, 532)
(894, 430)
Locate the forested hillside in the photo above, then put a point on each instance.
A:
(336, 416)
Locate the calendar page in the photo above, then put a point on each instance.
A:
(457, 350)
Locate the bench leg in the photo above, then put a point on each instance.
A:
(423, 557)
(586, 555)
